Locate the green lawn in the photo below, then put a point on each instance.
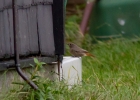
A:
(116, 76)
(112, 75)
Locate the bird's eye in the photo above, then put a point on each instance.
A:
(69, 44)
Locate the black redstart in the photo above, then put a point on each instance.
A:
(77, 51)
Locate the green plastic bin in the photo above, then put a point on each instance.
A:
(115, 18)
(65, 2)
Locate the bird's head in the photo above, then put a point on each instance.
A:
(70, 45)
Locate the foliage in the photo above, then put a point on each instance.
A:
(115, 77)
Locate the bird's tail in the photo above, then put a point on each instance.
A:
(89, 54)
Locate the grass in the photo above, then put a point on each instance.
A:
(112, 75)
(117, 76)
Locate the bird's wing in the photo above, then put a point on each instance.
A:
(84, 51)
(80, 50)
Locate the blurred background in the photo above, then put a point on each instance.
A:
(109, 29)
(102, 19)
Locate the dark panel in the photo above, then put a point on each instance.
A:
(1, 4)
(32, 27)
(27, 2)
(45, 30)
(58, 26)
(32, 30)
(23, 32)
(43, 0)
(6, 33)
(19, 2)
(10, 15)
(2, 46)
(38, 0)
(0, 34)
(48, 23)
(48, 0)
(8, 3)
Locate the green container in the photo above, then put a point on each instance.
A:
(65, 2)
(115, 18)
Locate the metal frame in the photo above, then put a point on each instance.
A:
(58, 26)
(58, 30)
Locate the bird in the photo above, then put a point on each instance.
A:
(76, 51)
